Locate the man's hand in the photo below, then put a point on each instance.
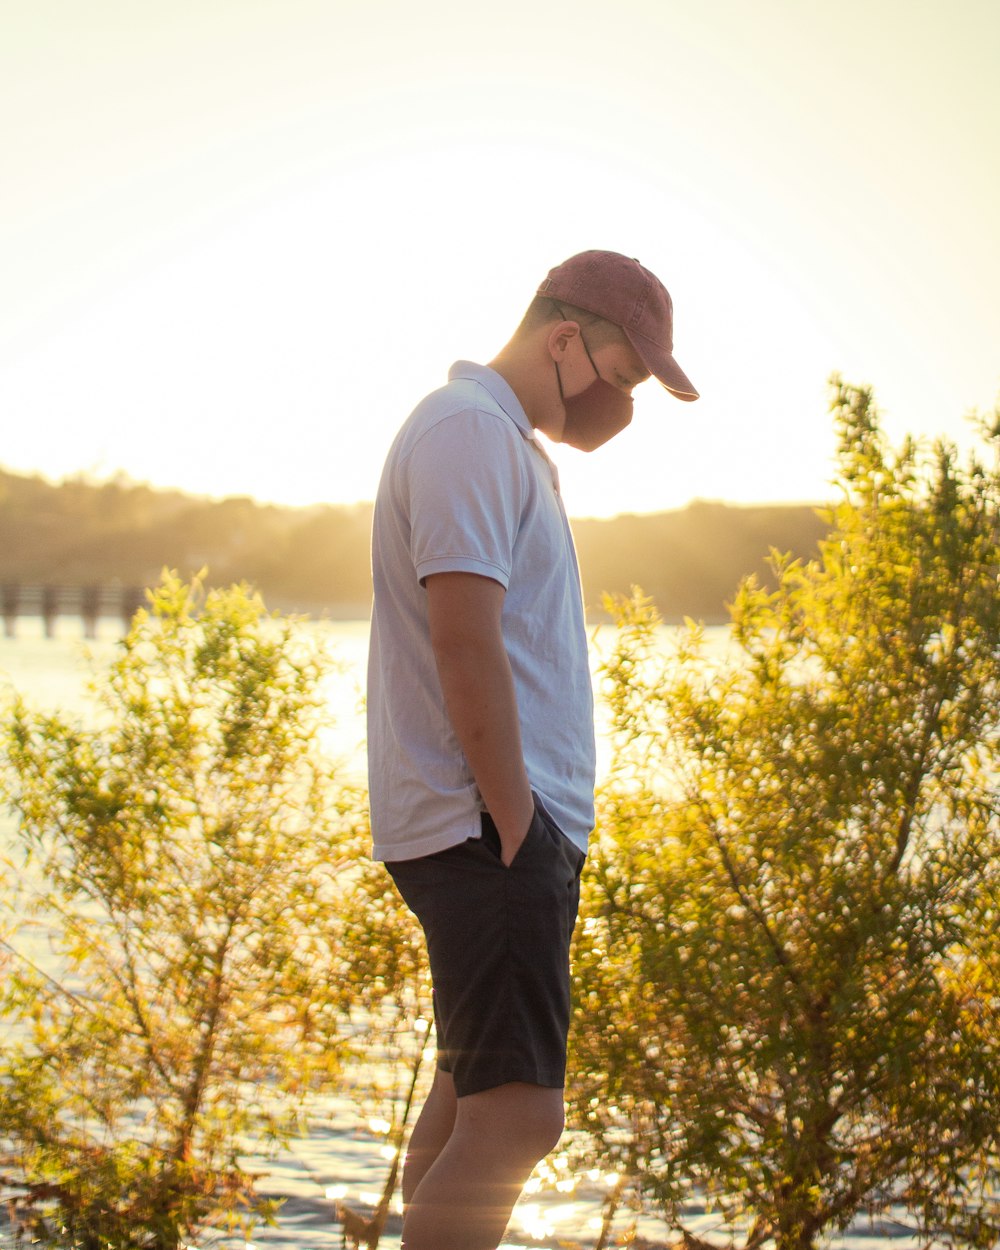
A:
(464, 612)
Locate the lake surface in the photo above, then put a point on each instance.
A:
(342, 1158)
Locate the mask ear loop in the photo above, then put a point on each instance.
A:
(562, 314)
(589, 357)
(562, 397)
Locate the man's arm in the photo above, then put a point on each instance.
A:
(464, 611)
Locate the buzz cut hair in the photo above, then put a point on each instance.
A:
(543, 310)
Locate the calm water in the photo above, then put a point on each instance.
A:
(343, 1157)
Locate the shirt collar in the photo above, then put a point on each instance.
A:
(502, 394)
(498, 387)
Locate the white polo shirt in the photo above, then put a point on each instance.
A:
(466, 487)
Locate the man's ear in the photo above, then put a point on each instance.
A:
(561, 334)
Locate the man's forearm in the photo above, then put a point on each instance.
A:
(465, 613)
(479, 695)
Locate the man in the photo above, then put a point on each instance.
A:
(481, 738)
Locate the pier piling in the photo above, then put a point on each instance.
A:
(50, 602)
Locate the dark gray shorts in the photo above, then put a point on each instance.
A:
(498, 940)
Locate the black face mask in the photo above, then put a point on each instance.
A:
(597, 414)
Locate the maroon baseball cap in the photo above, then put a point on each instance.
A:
(621, 291)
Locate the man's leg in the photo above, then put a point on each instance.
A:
(430, 1133)
(466, 1196)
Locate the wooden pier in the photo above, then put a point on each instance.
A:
(49, 602)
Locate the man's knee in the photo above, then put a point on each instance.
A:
(523, 1121)
(545, 1132)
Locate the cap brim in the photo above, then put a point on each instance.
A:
(662, 366)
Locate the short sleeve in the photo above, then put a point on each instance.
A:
(466, 484)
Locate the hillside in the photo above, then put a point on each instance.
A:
(691, 560)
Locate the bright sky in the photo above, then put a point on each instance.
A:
(239, 239)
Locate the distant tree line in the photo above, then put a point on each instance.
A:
(315, 559)
(691, 561)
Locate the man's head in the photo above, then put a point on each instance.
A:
(599, 325)
(618, 290)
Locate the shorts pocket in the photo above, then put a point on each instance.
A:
(536, 831)
(570, 852)
(491, 838)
